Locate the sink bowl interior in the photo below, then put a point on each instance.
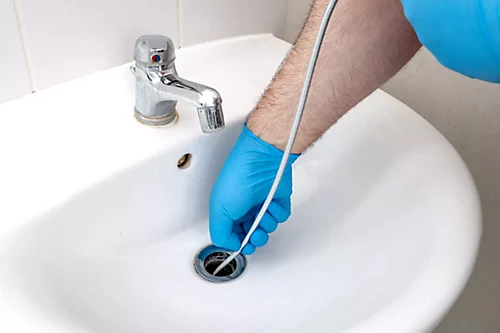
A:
(383, 210)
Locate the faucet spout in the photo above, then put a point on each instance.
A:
(189, 92)
(206, 99)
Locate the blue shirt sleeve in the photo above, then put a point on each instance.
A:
(464, 35)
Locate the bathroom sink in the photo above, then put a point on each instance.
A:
(101, 216)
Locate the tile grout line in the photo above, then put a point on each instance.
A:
(179, 28)
(27, 58)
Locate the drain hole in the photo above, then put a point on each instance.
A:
(210, 257)
(184, 162)
(215, 259)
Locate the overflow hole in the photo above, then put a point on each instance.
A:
(184, 162)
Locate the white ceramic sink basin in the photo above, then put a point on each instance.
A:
(98, 226)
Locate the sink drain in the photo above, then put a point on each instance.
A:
(210, 257)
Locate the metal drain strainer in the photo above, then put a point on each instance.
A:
(210, 257)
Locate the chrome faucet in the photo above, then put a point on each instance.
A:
(159, 88)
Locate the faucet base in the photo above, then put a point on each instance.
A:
(162, 120)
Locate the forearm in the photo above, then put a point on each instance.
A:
(366, 43)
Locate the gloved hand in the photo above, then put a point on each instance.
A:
(464, 35)
(241, 189)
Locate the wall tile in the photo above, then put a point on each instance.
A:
(14, 80)
(203, 20)
(70, 38)
(296, 14)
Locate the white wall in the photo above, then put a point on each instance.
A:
(14, 80)
(203, 20)
(296, 14)
(467, 112)
(43, 43)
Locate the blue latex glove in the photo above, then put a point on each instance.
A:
(464, 35)
(241, 189)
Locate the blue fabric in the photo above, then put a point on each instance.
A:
(240, 191)
(464, 35)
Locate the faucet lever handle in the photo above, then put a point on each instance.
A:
(153, 51)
